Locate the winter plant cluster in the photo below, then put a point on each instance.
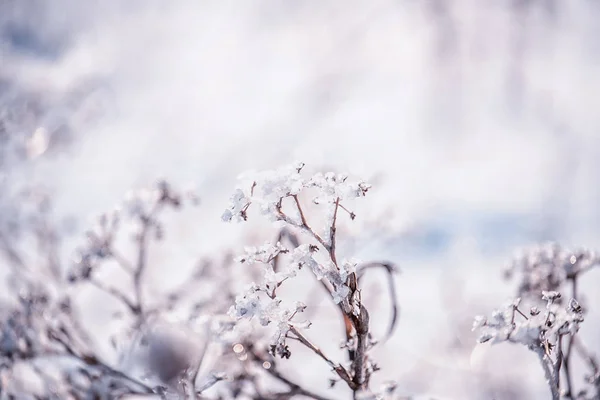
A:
(279, 197)
(546, 318)
(229, 328)
(225, 343)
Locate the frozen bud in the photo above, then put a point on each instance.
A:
(574, 306)
(300, 306)
(226, 216)
(478, 322)
(486, 337)
(534, 311)
(550, 296)
(389, 387)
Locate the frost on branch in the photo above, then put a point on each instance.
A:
(259, 302)
(278, 194)
(550, 326)
(305, 256)
(510, 324)
(267, 190)
(548, 267)
(541, 333)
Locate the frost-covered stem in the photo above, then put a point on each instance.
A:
(559, 360)
(359, 370)
(569, 352)
(332, 230)
(295, 389)
(93, 361)
(188, 389)
(520, 313)
(305, 225)
(142, 256)
(122, 261)
(549, 373)
(341, 371)
(315, 235)
(116, 294)
(141, 265)
(196, 367)
(361, 324)
(567, 367)
(349, 318)
(206, 385)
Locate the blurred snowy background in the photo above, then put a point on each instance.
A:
(475, 120)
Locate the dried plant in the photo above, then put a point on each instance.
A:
(278, 196)
(231, 327)
(47, 351)
(552, 335)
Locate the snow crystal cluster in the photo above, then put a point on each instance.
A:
(509, 324)
(547, 267)
(268, 190)
(139, 208)
(260, 301)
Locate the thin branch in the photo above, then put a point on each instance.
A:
(122, 261)
(332, 231)
(141, 263)
(559, 361)
(93, 361)
(521, 313)
(106, 243)
(350, 213)
(134, 308)
(567, 367)
(305, 225)
(196, 368)
(341, 371)
(208, 384)
(551, 378)
(567, 358)
(295, 388)
(361, 324)
(390, 269)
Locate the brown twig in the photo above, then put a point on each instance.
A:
(357, 323)
(134, 308)
(332, 231)
(341, 371)
(295, 389)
